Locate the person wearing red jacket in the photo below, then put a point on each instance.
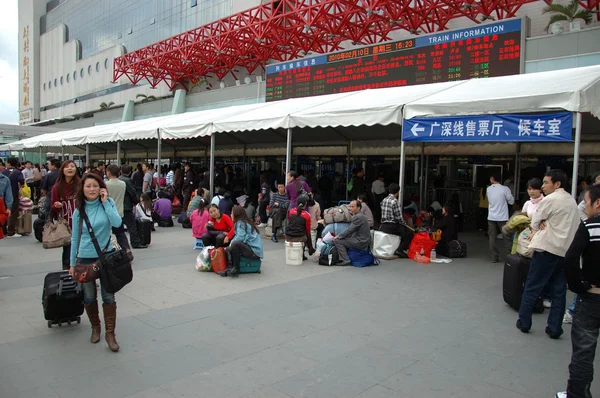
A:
(218, 227)
(3, 217)
(63, 201)
(298, 229)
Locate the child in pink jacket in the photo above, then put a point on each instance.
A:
(199, 218)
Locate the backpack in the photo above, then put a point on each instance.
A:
(362, 258)
(457, 249)
(326, 250)
(337, 214)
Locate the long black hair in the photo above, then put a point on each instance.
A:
(239, 214)
(80, 195)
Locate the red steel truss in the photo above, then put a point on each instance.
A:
(286, 29)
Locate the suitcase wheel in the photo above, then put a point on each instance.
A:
(78, 320)
(50, 324)
(60, 324)
(69, 323)
(258, 272)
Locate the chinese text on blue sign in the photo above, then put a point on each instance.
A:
(486, 128)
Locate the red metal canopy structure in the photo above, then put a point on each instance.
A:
(287, 29)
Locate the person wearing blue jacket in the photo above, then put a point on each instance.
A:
(92, 200)
(246, 242)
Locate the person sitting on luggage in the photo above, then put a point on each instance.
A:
(246, 242)
(101, 211)
(144, 210)
(366, 210)
(163, 209)
(358, 236)
(298, 229)
(392, 221)
(226, 204)
(279, 205)
(314, 209)
(219, 226)
(449, 229)
(199, 219)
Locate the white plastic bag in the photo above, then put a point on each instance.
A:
(328, 238)
(385, 245)
(203, 260)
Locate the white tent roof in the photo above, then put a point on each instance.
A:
(575, 90)
(366, 108)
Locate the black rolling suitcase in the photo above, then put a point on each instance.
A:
(516, 269)
(38, 228)
(62, 299)
(145, 231)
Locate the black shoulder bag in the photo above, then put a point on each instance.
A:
(115, 266)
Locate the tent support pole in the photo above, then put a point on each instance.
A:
(517, 177)
(402, 170)
(118, 153)
(426, 185)
(576, 155)
(421, 166)
(212, 164)
(41, 162)
(348, 154)
(63, 153)
(246, 168)
(87, 155)
(288, 152)
(158, 150)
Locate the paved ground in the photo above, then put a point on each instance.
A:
(398, 330)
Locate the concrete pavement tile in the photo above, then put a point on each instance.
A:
(467, 362)
(155, 392)
(529, 376)
(347, 375)
(249, 373)
(130, 307)
(155, 295)
(378, 391)
(130, 377)
(326, 345)
(190, 312)
(416, 347)
(267, 392)
(10, 391)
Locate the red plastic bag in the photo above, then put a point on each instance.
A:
(420, 241)
(176, 202)
(218, 259)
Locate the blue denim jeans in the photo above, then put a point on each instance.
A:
(584, 338)
(546, 269)
(90, 292)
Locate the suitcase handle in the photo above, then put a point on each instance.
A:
(66, 281)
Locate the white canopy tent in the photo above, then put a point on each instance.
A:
(575, 90)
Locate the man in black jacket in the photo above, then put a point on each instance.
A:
(585, 281)
(130, 201)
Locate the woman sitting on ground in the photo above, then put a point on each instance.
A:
(218, 228)
(298, 229)
(449, 228)
(246, 242)
(144, 210)
(163, 209)
(199, 218)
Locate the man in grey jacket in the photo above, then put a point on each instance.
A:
(357, 236)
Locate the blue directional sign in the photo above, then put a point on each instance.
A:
(4, 154)
(549, 127)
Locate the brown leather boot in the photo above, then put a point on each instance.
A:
(92, 313)
(110, 321)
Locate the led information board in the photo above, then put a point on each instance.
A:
(483, 51)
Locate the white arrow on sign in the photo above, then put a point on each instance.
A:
(416, 129)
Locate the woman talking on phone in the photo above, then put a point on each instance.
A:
(63, 201)
(94, 206)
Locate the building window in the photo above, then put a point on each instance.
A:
(50, 85)
(97, 66)
(74, 75)
(55, 82)
(193, 3)
(61, 80)
(81, 73)
(68, 78)
(90, 70)
(106, 63)
(44, 86)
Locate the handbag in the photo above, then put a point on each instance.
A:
(84, 273)
(115, 266)
(57, 234)
(218, 259)
(523, 242)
